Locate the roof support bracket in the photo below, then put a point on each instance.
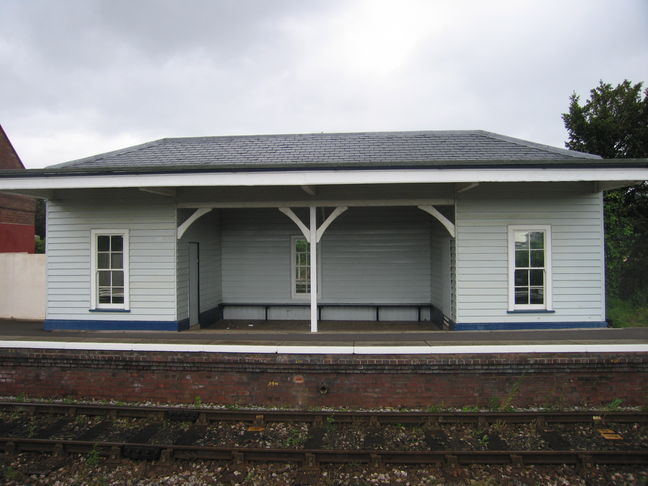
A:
(310, 190)
(160, 191)
(323, 227)
(327, 222)
(465, 186)
(190, 220)
(302, 227)
(449, 225)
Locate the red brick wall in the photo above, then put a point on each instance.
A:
(16, 223)
(17, 209)
(351, 381)
(17, 212)
(16, 238)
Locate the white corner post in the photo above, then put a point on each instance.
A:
(313, 268)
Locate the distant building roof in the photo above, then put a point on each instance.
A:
(8, 157)
(364, 149)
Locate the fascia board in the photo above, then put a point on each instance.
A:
(321, 177)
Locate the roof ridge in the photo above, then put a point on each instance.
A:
(540, 146)
(122, 151)
(309, 134)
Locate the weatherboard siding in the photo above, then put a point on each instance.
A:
(151, 223)
(574, 214)
(206, 232)
(368, 256)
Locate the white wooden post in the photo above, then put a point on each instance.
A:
(313, 268)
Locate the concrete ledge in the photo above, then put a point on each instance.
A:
(328, 350)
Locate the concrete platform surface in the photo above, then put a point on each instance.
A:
(332, 334)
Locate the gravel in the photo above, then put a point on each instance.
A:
(88, 471)
(27, 469)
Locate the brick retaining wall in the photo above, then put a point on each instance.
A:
(349, 380)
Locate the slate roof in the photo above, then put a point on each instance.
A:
(366, 149)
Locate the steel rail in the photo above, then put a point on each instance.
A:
(206, 415)
(312, 457)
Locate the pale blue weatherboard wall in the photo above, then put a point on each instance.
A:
(574, 213)
(206, 232)
(368, 255)
(151, 221)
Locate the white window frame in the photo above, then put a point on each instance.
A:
(94, 301)
(293, 279)
(547, 306)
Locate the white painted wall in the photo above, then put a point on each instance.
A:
(575, 215)
(151, 221)
(22, 286)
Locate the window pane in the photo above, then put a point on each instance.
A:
(118, 278)
(116, 243)
(537, 258)
(537, 277)
(117, 260)
(118, 295)
(537, 240)
(521, 258)
(104, 279)
(521, 240)
(521, 278)
(302, 246)
(103, 260)
(521, 295)
(103, 243)
(537, 296)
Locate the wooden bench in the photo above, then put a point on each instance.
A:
(267, 305)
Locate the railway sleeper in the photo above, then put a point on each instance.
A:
(496, 443)
(142, 435)
(374, 439)
(52, 429)
(191, 435)
(141, 452)
(554, 440)
(315, 438)
(182, 415)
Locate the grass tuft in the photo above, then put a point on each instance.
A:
(622, 313)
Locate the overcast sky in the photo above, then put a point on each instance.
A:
(81, 77)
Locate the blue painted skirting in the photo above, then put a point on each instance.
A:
(504, 326)
(107, 325)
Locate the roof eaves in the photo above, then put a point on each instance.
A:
(260, 167)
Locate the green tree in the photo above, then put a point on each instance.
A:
(613, 123)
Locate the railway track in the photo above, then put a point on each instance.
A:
(311, 437)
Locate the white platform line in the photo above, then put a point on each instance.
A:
(313, 349)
